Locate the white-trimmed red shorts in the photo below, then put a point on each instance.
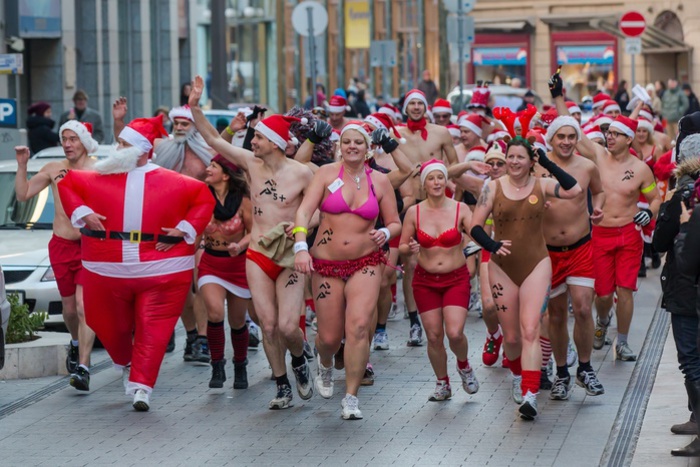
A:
(571, 265)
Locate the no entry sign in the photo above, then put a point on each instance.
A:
(632, 24)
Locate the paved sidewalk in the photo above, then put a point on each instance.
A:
(190, 424)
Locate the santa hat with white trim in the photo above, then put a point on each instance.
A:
(384, 121)
(646, 124)
(414, 94)
(594, 132)
(602, 119)
(181, 112)
(276, 129)
(473, 123)
(338, 104)
(480, 98)
(573, 107)
(476, 153)
(625, 125)
(646, 114)
(359, 126)
(84, 132)
(142, 132)
(560, 122)
(442, 106)
(610, 106)
(599, 99)
(454, 131)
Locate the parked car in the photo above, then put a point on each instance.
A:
(25, 231)
(503, 96)
(4, 318)
(103, 151)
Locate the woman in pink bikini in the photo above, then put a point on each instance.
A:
(433, 230)
(222, 276)
(347, 257)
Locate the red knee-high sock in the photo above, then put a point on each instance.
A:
(531, 381)
(302, 325)
(393, 293)
(310, 303)
(217, 340)
(515, 367)
(546, 350)
(239, 340)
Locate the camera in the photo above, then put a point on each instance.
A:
(686, 189)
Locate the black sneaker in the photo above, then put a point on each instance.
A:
(240, 375)
(545, 382)
(218, 374)
(187, 355)
(171, 344)
(588, 380)
(303, 376)
(283, 399)
(200, 350)
(80, 380)
(561, 389)
(72, 358)
(308, 353)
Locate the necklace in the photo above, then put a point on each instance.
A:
(356, 178)
(510, 180)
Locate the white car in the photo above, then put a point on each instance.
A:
(25, 231)
(4, 319)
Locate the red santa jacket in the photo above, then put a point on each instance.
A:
(144, 200)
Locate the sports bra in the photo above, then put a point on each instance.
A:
(336, 204)
(448, 239)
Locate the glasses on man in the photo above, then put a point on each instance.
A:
(615, 134)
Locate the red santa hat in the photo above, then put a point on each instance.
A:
(536, 138)
(338, 104)
(560, 122)
(430, 166)
(442, 106)
(476, 153)
(414, 94)
(646, 114)
(602, 119)
(646, 124)
(473, 123)
(599, 99)
(276, 129)
(454, 131)
(610, 105)
(141, 132)
(384, 121)
(594, 132)
(573, 107)
(181, 112)
(625, 125)
(480, 98)
(84, 132)
(497, 135)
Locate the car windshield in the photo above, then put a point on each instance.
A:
(36, 213)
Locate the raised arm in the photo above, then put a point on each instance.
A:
(119, 110)
(27, 189)
(570, 186)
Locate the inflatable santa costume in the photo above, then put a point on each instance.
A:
(138, 223)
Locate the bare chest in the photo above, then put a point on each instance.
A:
(419, 150)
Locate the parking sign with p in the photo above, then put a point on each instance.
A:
(8, 113)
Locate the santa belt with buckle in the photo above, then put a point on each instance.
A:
(561, 249)
(134, 236)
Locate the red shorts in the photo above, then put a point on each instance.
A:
(66, 263)
(571, 265)
(269, 267)
(218, 267)
(485, 256)
(433, 291)
(617, 256)
(394, 242)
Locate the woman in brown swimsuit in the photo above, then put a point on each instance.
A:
(520, 272)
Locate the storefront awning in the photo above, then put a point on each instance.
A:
(654, 40)
(504, 24)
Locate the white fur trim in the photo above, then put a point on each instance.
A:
(603, 121)
(454, 132)
(336, 109)
(470, 126)
(595, 134)
(575, 109)
(442, 110)
(414, 95)
(476, 155)
(181, 112)
(135, 139)
(623, 128)
(611, 107)
(81, 130)
(141, 269)
(190, 233)
(430, 168)
(560, 122)
(646, 124)
(77, 217)
(232, 288)
(500, 134)
(375, 122)
(647, 115)
(388, 111)
(359, 128)
(271, 135)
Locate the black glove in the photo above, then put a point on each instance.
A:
(320, 131)
(643, 217)
(381, 138)
(556, 85)
(566, 181)
(256, 111)
(482, 238)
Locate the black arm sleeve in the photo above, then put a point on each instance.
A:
(482, 238)
(566, 181)
(688, 247)
(250, 133)
(667, 225)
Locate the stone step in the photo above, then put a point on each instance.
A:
(45, 356)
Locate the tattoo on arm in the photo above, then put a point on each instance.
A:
(324, 291)
(484, 197)
(557, 187)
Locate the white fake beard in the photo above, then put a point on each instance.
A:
(119, 161)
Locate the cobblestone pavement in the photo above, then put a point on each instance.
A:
(190, 424)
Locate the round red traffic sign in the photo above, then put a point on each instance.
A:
(632, 24)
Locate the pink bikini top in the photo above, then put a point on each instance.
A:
(336, 204)
(227, 228)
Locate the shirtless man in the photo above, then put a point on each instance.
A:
(188, 154)
(336, 112)
(64, 247)
(567, 232)
(277, 186)
(424, 141)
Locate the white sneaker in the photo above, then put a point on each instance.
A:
(141, 401)
(350, 407)
(126, 372)
(469, 382)
(442, 392)
(324, 380)
(393, 312)
(380, 341)
(571, 355)
(517, 389)
(528, 408)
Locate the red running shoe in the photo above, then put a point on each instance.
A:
(505, 363)
(492, 348)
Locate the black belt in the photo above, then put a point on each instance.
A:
(135, 236)
(561, 249)
(221, 253)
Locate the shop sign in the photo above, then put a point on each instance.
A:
(11, 64)
(586, 54)
(357, 31)
(500, 56)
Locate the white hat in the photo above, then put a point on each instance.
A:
(84, 133)
(560, 122)
(414, 94)
(181, 112)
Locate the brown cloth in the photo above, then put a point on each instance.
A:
(276, 245)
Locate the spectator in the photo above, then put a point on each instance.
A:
(655, 99)
(163, 111)
(528, 98)
(320, 97)
(674, 104)
(81, 112)
(660, 87)
(361, 107)
(40, 127)
(429, 88)
(693, 104)
(622, 97)
(185, 90)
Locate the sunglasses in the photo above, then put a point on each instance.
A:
(496, 164)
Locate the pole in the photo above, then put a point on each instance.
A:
(385, 73)
(633, 72)
(386, 79)
(219, 57)
(312, 54)
(18, 95)
(460, 50)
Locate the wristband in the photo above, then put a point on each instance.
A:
(300, 246)
(386, 233)
(299, 228)
(229, 130)
(647, 189)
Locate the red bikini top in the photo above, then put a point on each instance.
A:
(448, 239)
